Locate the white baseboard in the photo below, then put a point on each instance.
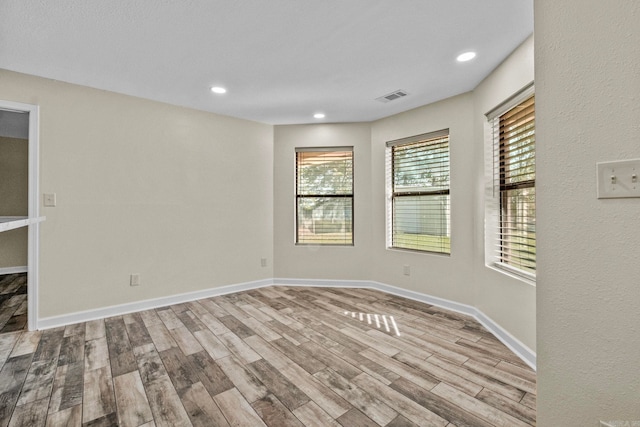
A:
(323, 283)
(521, 350)
(13, 270)
(515, 345)
(132, 307)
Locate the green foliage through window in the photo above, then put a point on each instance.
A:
(517, 180)
(324, 196)
(420, 202)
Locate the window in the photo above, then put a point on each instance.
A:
(418, 185)
(514, 164)
(324, 196)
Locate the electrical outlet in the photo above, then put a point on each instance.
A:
(134, 280)
(263, 262)
(406, 270)
(50, 200)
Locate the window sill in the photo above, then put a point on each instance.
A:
(416, 251)
(322, 245)
(527, 278)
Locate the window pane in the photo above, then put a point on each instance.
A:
(324, 193)
(518, 228)
(419, 175)
(322, 173)
(422, 166)
(326, 220)
(422, 223)
(517, 144)
(517, 162)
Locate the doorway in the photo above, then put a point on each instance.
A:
(19, 216)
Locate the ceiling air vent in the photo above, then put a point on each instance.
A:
(392, 96)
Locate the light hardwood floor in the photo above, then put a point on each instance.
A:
(277, 356)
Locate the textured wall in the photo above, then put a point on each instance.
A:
(588, 110)
(182, 197)
(321, 262)
(509, 301)
(461, 277)
(439, 275)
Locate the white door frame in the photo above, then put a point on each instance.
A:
(34, 207)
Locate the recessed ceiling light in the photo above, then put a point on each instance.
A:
(219, 90)
(318, 115)
(467, 56)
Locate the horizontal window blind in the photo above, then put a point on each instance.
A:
(324, 196)
(420, 204)
(516, 174)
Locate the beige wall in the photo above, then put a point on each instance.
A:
(182, 197)
(588, 110)
(321, 262)
(14, 201)
(149, 188)
(438, 275)
(461, 277)
(508, 301)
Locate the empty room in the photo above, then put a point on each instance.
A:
(338, 213)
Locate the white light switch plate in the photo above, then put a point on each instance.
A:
(618, 179)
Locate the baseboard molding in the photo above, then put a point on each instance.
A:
(13, 270)
(119, 310)
(515, 345)
(323, 283)
(527, 355)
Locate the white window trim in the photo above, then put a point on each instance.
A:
(327, 149)
(492, 192)
(389, 189)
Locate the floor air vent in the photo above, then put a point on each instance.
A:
(392, 96)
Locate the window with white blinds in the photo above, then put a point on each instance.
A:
(515, 182)
(418, 186)
(324, 196)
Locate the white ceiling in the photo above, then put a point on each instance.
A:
(281, 60)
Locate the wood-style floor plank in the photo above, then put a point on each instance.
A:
(98, 398)
(290, 395)
(30, 414)
(401, 404)
(322, 395)
(12, 376)
(68, 386)
(244, 380)
(13, 302)
(201, 408)
(274, 413)
(237, 410)
(69, 417)
(131, 401)
(278, 356)
(366, 401)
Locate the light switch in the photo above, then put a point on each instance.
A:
(618, 179)
(50, 200)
